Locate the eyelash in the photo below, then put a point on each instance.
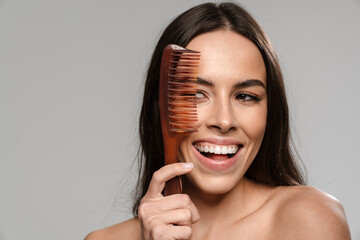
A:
(240, 96)
(247, 97)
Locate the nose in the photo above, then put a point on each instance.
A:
(222, 118)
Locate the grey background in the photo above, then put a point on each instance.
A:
(71, 75)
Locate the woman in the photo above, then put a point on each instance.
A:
(256, 193)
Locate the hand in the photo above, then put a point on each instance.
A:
(167, 217)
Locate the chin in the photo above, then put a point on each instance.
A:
(213, 184)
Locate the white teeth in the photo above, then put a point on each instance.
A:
(224, 150)
(217, 150)
(211, 150)
(231, 149)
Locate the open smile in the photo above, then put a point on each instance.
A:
(214, 151)
(217, 156)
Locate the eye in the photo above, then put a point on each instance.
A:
(247, 97)
(199, 95)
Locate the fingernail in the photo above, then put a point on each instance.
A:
(188, 165)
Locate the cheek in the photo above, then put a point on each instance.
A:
(203, 111)
(184, 149)
(253, 122)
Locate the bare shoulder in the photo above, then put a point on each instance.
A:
(129, 229)
(308, 213)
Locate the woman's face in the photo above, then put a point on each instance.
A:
(232, 110)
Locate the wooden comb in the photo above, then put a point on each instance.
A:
(177, 103)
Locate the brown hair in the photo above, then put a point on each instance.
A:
(274, 163)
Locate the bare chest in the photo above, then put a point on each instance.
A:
(252, 228)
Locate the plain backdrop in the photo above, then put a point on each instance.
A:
(71, 80)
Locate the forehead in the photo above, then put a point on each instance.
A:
(228, 55)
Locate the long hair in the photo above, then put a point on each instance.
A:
(274, 163)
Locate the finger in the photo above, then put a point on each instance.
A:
(177, 201)
(165, 173)
(171, 232)
(180, 232)
(175, 217)
(178, 216)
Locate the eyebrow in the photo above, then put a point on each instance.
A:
(242, 84)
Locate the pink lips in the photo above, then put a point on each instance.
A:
(218, 165)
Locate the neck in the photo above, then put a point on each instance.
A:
(214, 207)
(218, 212)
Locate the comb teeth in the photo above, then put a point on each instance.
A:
(183, 72)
